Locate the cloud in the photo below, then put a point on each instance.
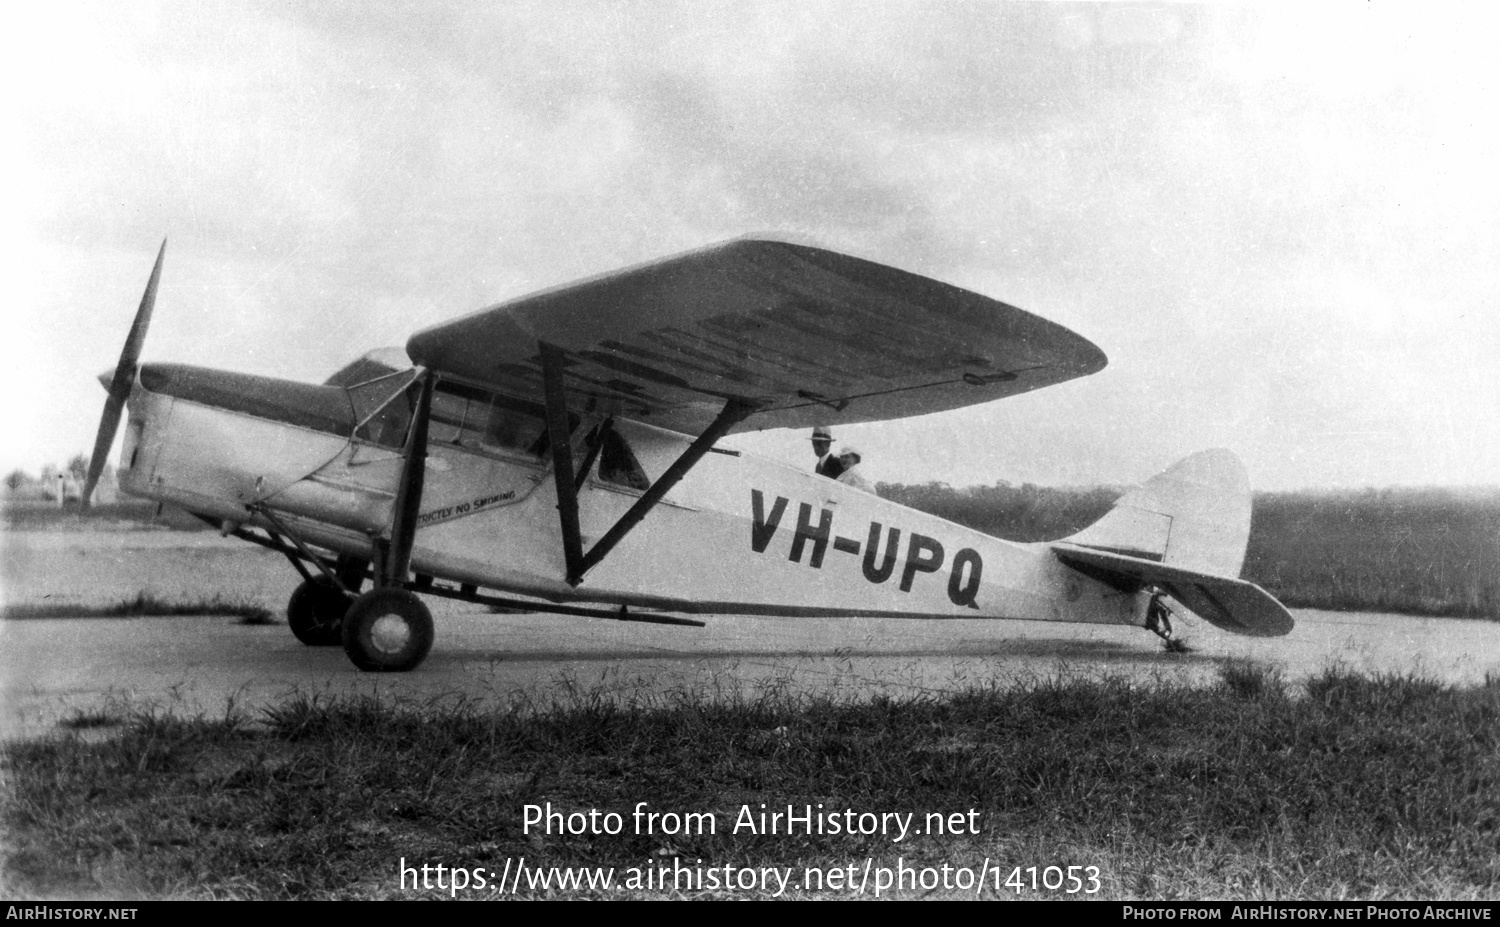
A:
(1277, 224)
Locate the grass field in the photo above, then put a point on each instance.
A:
(143, 604)
(1348, 788)
(131, 514)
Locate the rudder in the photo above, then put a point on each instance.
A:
(1194, 515)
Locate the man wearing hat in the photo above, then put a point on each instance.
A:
(828, 464)
(849, 459)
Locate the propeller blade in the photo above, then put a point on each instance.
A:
(119, 387)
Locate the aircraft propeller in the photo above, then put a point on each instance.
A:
(120, 384)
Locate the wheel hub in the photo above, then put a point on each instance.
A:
(390, 634)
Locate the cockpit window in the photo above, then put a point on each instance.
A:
(383, 408)
(370, 395)
(485, 421)
(462, 415)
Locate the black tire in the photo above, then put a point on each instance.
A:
(315, 612)
(387, 631)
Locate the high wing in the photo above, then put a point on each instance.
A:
(800, 335)
(1232, 604)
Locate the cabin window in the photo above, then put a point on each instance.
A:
(485, 421)
(617, 464)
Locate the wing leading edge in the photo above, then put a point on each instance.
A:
(805, 336)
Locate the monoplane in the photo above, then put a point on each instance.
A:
(560, 453)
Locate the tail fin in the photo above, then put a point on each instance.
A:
(1183, 531)
(1194, 515)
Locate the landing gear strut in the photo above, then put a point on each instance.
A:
(1159, 622)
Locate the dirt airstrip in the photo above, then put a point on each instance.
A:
(54, 668)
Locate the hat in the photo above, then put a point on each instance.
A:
(822, 433)
(849, 449)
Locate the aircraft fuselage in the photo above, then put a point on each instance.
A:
(739, 534)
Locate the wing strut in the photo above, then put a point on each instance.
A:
(397, 559)
(562, 457)
(578, 563)
(734, 412)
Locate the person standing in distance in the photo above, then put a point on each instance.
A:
(828, 464)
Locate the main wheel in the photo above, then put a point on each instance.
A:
(316, 612)
(387, 630)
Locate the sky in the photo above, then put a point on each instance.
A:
(1278, 221)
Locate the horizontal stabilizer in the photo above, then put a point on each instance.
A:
(1231, 604)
